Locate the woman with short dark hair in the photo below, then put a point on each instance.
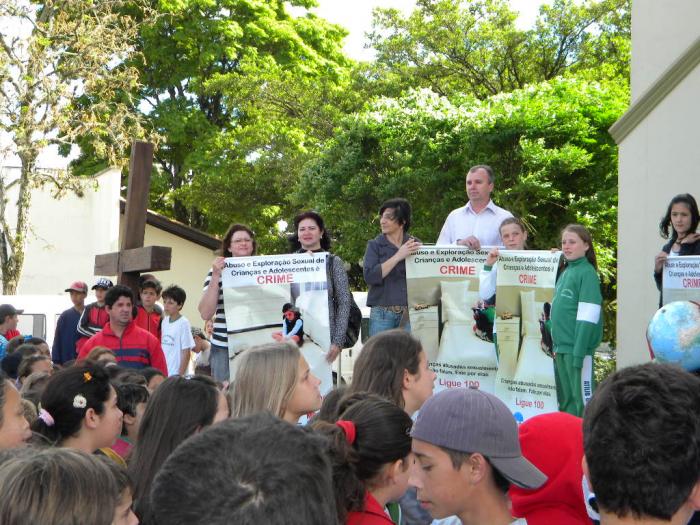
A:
(385, 267)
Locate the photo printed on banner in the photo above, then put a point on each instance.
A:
(443, 301)
(266, 297)
(525, 283)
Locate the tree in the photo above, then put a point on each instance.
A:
(548, 144)
(54, 56)
(474, 46)
(242, 94)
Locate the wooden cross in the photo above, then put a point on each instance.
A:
(133, 258)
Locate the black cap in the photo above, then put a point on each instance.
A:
(8, 309)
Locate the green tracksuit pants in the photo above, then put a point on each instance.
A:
(574, 385)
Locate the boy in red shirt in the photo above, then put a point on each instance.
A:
(149, 314)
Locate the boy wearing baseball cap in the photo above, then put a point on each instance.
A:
(66, 335)
(8, 325)
(94, 316)
(466, 444)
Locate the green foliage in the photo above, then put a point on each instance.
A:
(242, 94)
(548, 144)
(603, 366)
(474, 46)
(260, 115)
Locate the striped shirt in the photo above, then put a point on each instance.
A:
(219, 336)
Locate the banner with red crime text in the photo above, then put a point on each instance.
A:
(255, 291)
(524, 290)
(443, 290)
(681, 279)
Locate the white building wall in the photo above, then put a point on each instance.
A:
(661, 31)
(66, 234)
(657, 160)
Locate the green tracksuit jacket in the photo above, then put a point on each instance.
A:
(577, 323)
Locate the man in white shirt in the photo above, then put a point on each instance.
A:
(476, 224)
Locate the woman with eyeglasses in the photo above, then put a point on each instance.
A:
(385, 267)
(239, 241)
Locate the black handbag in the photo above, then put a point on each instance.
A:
(352, 333)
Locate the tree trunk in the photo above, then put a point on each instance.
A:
(12, 252)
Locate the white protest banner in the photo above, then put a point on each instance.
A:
(443, 287)
(524, 290)
(255, 290)
(681, 279)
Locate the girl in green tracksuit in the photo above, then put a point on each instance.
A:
(577, 323)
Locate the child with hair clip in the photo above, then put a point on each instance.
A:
(576, 320)
(14, 428)
(370, 447)
(79, 409)
(394, 365)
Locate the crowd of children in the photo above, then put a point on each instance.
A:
(117, 430)
(110, 446)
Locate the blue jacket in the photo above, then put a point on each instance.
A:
(66, 336)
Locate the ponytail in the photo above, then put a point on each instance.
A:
(371, 433)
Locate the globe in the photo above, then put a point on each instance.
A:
(674, 334)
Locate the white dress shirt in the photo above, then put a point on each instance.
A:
(464, 222)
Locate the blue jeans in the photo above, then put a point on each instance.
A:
(218, 360)
(381, 320)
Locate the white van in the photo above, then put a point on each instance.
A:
(40, 313)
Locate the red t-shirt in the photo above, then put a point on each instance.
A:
(11, 334)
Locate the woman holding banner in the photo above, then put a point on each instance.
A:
(385, 267)
(310, 235)
(239, 241)
(683, 217)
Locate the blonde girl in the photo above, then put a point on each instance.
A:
(275, 378)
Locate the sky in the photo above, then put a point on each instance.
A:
(355, 16)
